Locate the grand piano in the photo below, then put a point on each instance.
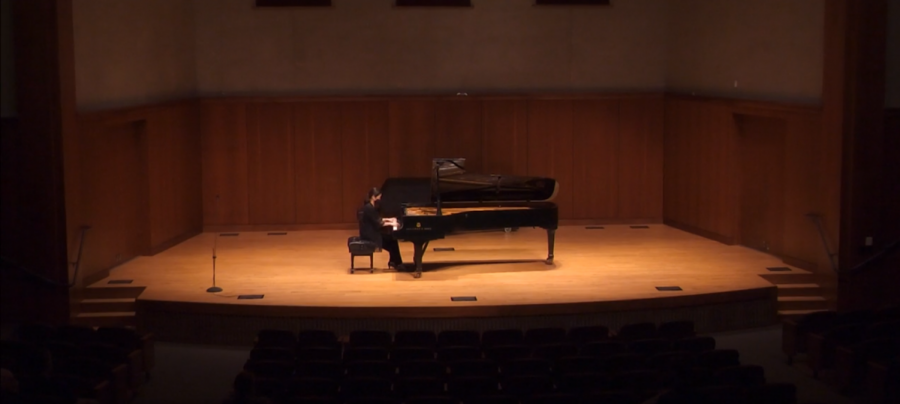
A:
(453, 200)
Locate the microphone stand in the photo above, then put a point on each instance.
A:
(214, 288)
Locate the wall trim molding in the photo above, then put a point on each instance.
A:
(700, 232)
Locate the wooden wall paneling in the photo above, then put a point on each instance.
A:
(723, 169)
(803, 191)
(365, 152)
(162, 159)
(270, 163)
(224, 134)
(411, 132)
(505, 137)
(458, 131)
(550, 148)
(595, 159)
(675, 161)
(700, 173)
(319, 165)
(173, 147)
(641, 158)
(114, 191)
(762, 153)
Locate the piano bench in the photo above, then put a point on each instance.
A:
(359, 247)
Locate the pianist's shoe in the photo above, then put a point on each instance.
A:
(397, 267)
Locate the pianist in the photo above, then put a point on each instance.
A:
(371, 226)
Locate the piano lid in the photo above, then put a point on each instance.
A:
(450, 178)
(445, 167)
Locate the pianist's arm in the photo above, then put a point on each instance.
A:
(371, 215)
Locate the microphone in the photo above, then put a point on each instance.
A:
(214, 288)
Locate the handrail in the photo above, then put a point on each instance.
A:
(71, 282)
(817, 218)
(77, 262)
(8, 263)
(884, 251)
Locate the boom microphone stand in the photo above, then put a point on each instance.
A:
(214, 288)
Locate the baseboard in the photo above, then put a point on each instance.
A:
(95, 277)
(700, 232)
(165, 245)
(799, 263)
(215, 228)
(353, 226)
(611, 221)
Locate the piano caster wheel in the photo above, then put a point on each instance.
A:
(417, 275)
(549, 261)
(508, 229)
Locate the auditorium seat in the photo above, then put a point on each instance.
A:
(262, 354)
(774, 393)
(599, 349)
(526, 386)
(417, 386)
(273, 338)
(462, 387)
(473, 367)
(636, 331)
(672, 330)
(312, 387)
(741, 376)
(319, 354)
(430, 368)
(400, 355)
(610, 397)
(492, 338)
(574, 364)
(455, 353)
(494, 399)
(459, 338)
(505, 353)
(649, 346)
(718, 359)
(370, 339)
(850, 362)
(526, 367)
(421, 339)
(542, 336)
(696, 344)
(585, 334)
(312, 400)
(316, 338)
(365, 354)
(553, 352)
(431, 400)
(556, 398)
(380, 369)
(622, 363)
(579, 383)
(365, 387)
(319, 369)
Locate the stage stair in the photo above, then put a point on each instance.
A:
(799, 293)
(108, 306)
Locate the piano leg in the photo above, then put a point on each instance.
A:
(418, 251)
(551, 239)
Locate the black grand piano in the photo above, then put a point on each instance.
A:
(453, 200)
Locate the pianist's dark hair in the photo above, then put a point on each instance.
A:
(372, 192)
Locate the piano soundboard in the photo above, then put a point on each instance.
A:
(432, 211)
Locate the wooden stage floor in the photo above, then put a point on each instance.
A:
(306, 274)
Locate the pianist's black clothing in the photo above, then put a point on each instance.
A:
(370, 229)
